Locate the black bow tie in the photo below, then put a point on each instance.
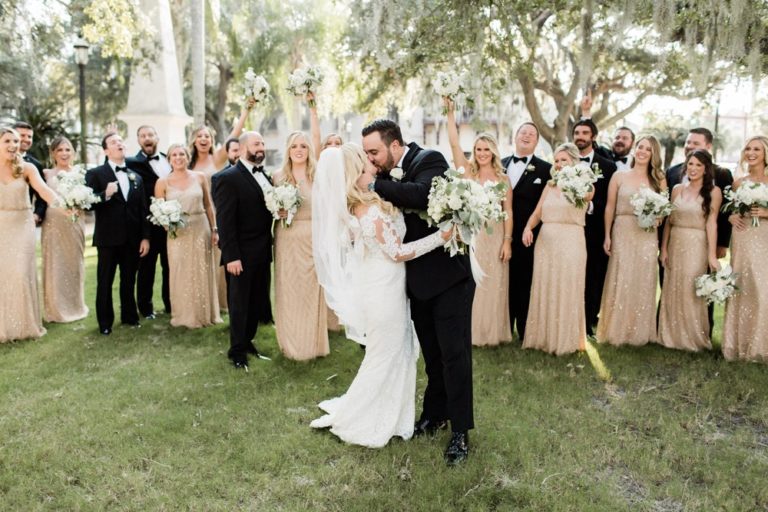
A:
(150, 158)
(584, 159)
(258, 169)
(622, 159)
(120, 169)
(516, 159)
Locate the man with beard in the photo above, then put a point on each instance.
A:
(245, 238)
(623, 140)
(151, 165)
(528, 175)
(26, 137)
(232, 147)
(584, 134)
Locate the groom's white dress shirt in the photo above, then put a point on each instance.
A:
(259, 177)
(122, 179)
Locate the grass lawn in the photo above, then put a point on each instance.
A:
(156, 419)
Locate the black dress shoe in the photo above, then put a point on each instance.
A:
(106, 331)
(428, 427)
(135, 325)
(150, 316)
(240, 364)
(258, 355)
(458, 448)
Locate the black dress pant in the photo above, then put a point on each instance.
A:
(245, 294)
(126, 258)
(145, 281)
(520, 282)
(444, 327)
(597, 266)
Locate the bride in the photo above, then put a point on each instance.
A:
(359, 255)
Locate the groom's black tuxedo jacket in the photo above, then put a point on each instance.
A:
(436, 271)
(245, 224)
(40, 205)
(526, 195)
(118, 221)
(140, 164)
(595, 222)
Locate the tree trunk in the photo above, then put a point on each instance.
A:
(198, 60)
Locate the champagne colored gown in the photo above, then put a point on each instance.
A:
(556, 320)
(301, 314)
(190, 258)
(20, 316)
(63, 246)
(628, 306)
(683, 322)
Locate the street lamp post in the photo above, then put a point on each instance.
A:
(81, 59)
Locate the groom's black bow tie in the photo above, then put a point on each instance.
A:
(584, 159)
(622, 159)
(516, 159)
(150, 158)
(258, 169)
(120, 169)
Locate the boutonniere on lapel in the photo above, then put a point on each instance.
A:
(530, 168)
(132, 177)
(595, 167)
(396, 174)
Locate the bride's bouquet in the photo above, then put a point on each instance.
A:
(718, 286)
(283, 197)
(305, 80)
(649, 206)
(168, 214)
(256, 87)
(75, 194)
(451, 86)
(466, 204)
(742, 199)
(576, 181)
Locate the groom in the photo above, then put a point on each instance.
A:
(440, 287)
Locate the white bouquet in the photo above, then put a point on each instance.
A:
(717, 286)
(742, 199)
(451, 86)
(283, 197)
(576, 181)
(465, 204)
(168, 214)
(256, 87)
(649, 206)
(75, 194)
(305, 80)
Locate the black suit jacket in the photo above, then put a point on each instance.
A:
(118, 221)
(244, 222)
(436, 271)
(723, 178)
(526, 195)
(595, 222)
(140, 165)
(40, 205)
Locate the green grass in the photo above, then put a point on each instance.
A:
(155, 419)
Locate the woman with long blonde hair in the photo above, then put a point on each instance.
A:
(628, 306)
(359, 255)
(63, 246)
(20, 316)
(490, 308)
(745, 329)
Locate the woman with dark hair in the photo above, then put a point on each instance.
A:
(745, 330)
(688, 249)
(63, 246)
(628, 306)
(490, 307)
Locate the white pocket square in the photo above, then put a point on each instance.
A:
(537, 181)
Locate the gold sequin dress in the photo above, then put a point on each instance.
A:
(190, 258)
(490, 307)
(20, 316)
(301, 314)
(683, 322)
(63, 245)
(628, 306)
(745, 329)
(218, 270)
(556, 320)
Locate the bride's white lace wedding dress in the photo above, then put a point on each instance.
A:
(380, 402)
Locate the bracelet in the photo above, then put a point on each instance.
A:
(215, 230)
(507, 237)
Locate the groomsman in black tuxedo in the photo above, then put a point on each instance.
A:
(151, 165)
(245, 238)
(232, 147)
(623, 140)
(584, 134)
(26, 137)
(528, 175)
(440, 287)
(121, 234)
(702, 138)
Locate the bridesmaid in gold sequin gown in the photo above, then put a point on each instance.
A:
(556, 320)
(20, 316)
(490, 307)
(190, 254)
(205, 158)
(63, 245)
(745, 331)
(688, 250)
(628, 306)
(301, 314)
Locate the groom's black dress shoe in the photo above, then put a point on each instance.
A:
(428, 427)
(106, 331)
(240, 364)
(252, 350)
(458, 448)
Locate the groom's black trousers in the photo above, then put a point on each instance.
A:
(444, 327)
(126, 258)
(247, 295)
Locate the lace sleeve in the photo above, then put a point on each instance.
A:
(392, 246)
